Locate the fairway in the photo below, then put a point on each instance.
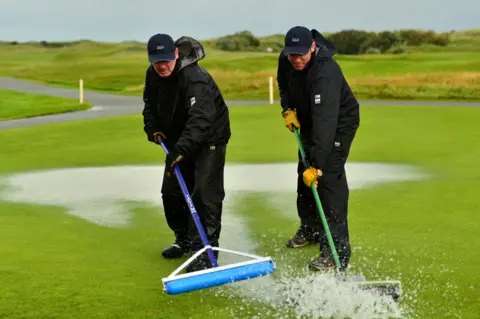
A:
(83, 225)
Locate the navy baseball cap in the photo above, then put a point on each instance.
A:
(161, 47)
(298, 40)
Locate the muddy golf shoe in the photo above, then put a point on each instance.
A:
(322, 264)
(201, 263)
(197, 265)
(302, 238)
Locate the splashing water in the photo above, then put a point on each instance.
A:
(324, 296)
(293, 293)
(319, 296)
(422, 280)
(298, 293)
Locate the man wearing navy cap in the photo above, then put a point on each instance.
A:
(316, 99)
(162, 54)
(185, 108)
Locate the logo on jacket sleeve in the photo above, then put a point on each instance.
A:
(318, 99)
(192, 101)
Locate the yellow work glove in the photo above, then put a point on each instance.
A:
(157, 139)
(291, 120)
(310, 175)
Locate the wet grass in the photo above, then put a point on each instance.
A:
(424, 232)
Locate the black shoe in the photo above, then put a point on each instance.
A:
(176, 251)
(322, 264)
(303, 238)
(198, 264)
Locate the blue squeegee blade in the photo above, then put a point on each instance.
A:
(218, 277)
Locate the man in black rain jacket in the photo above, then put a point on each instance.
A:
(316, 98)
(185, 108)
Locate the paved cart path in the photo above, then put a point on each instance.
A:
(106, 105)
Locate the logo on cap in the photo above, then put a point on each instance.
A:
(161, 47)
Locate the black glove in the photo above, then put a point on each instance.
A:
(172, 158)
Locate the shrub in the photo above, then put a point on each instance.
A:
(349, 41)
(355, 41)
(415, 37)
(372, 50)
(381, 41)
(441, 39)
(240, 41)
(397, 49)
(56, 44)
(387, 40)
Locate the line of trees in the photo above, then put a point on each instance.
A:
(45, 44)
(346, 41)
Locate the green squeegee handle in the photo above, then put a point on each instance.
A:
(319, 204)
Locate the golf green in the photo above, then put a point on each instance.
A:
(83, 225)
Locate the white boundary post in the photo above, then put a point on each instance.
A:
(81, 91)
(270, 89)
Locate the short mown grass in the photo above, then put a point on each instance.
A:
(17, 105)
(423, 232)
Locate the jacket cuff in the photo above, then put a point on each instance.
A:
(318, 160)
(286, 109)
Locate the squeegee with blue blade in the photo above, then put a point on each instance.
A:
(177, 283)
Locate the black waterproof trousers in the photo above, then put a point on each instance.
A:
(334, 193)
(204, 177)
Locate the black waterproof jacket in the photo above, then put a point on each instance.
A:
(325, 105)
(187, 106)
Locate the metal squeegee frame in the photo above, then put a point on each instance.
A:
(256, 259)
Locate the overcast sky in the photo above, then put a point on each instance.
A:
(109, 20)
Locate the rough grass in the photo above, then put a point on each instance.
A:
(16, 105)
(441, 79)
(120, 68)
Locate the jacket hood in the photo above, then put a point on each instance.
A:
(325, 48)
(189, 51)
